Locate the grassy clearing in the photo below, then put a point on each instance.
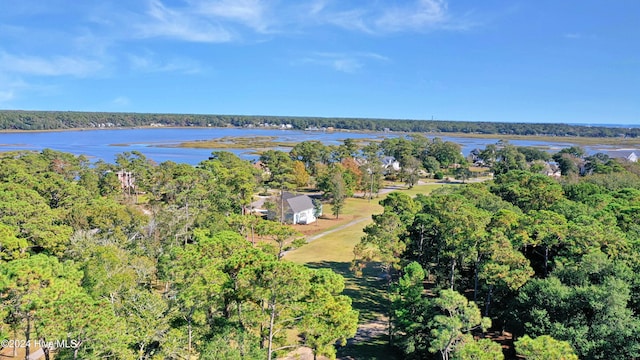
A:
(335, 251)
(332, 248)
(338, 246)
(368, 293)
(354, 209)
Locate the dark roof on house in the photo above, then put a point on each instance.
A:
(622, 154)
(297, 203)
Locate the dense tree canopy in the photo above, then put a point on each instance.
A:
(544, 258)
(168, 268)
(175, 266)
(48, 120)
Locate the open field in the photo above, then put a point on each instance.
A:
(337, 246)
(353, 210)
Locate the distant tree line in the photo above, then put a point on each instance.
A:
(52, 120)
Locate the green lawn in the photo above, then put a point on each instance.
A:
(334, 247)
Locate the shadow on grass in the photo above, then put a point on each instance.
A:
(375, 349)
(368, 293)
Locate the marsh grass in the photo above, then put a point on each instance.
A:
(235, 142)
(616, 142)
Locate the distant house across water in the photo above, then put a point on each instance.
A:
(628, 155)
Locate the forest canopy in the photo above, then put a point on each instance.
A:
(139, 260)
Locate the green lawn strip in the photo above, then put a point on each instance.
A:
(425, 189)
(358, 206)
(335, 247)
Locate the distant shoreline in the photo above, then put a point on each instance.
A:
(628, 143)
(16, 120)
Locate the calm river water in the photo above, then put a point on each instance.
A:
(155, 143)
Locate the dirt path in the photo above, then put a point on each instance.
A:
(371, 330)
(36, 354)
(339, 228)
(367, 333)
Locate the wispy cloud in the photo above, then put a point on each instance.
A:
(147, 63)
(315, 7)
(579, 36)
(51, 66)
(6, 95)
(417, 15)
(121, 101)
(13, 87)
(343, 62)
(347, 65)
(355, 19)
(22, 74)
(251, 13)
(181, 25)
(420, 15)
(222, 20)
(572, 36)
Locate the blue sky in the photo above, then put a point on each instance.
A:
(515, 61)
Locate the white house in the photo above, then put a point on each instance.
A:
(390, 163)
(551, 168)
(299, 209)
(627, 155)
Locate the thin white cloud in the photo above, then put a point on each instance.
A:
(92, 44)
(251, 13)
(351, 20)
(377, 18)
(347, 65)
(13, 88)
(217, 21)
(181, 25)
(572, 36)
(121, 101)
(373, 56)
(53, 66)
(315, 7)
(147, 63)
(423, 14)
(6, 95)
(343, 62)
